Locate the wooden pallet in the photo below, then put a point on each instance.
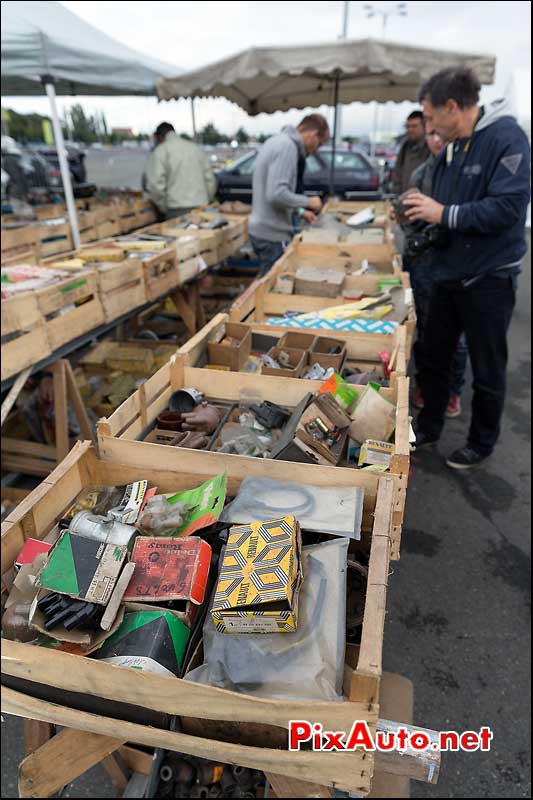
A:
(56, 676)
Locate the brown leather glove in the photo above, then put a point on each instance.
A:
(204, 419)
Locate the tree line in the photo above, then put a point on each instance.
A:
(89, 128)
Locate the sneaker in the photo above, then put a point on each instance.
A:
(423, 440)
(454, 406)
(465, 458)
(418, 400)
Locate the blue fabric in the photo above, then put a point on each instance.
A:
(485, 192)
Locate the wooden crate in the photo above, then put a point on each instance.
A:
(363, 349)
(54, 239)
(208, 241)
(50, 211)
(87, 227)
(131, 419)
(19, 239)
(59, 679)
(345, 257)
(72, 323)
(161, 273)
(121, 286)
(107, 229)
(259, 301)
(108, 356)
(23, 320)
(234, 235)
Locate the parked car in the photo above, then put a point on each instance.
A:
(78, 170)
(354, 177)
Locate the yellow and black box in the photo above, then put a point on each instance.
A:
(260, 578)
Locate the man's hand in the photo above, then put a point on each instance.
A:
(309, 217)
(314, 204)
(421, 207)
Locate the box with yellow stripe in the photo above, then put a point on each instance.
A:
(260, 578)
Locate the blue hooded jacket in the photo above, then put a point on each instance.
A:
(486, 192)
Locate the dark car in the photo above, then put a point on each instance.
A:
(354, 177)
(78, 170)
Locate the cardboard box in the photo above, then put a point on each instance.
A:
(297, 361)
(297, 341)
(232, 356)
(83, 568)
(325, 407)
(318, 282)
(260, 579)
(375, 453)
(319, 353)
(169, 568)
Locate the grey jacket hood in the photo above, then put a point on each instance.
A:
(493, 112)
(293, 134)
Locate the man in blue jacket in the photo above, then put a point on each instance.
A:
(476, 236)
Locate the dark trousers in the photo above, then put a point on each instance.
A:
(267, 252)
(422, 284)
(483, 312)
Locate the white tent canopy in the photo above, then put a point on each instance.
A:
(44, 39)
(268, 79)
(45, 45)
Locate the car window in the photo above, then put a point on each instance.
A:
(349, 161)
(247, 166)
(313, 165)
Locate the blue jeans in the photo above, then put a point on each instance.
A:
(267, 253)
(422, 285)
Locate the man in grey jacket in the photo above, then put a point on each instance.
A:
(276, 193)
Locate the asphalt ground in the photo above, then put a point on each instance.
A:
(458, 610)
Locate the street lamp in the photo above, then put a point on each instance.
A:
(400, 10)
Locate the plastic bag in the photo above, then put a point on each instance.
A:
(305, 665)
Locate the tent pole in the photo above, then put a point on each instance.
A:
(63, 165)
(193, 115)
(335, 123)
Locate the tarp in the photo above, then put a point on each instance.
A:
(41, 39)
(268, 79)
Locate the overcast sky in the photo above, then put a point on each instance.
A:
(192, 34)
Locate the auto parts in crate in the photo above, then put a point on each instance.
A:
(179, 775)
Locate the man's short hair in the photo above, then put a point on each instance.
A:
(163, 129)
(455, 83)
(315, 122)
(416, 115)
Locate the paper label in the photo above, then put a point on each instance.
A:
(202, 264)
(251, 624)
(130, 505)
(408, 297)
(142, 663)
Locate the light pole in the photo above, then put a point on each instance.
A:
(400, 9)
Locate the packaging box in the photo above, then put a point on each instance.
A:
(321, 352)
(169, 568)
(235, 355)
(319, 282)
(375, 453)
(83, 568)
(260, 578)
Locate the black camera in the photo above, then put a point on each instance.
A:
(425, 238)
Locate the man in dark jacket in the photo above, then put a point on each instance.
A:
(480, 196)
(421, 277)
(413, 152)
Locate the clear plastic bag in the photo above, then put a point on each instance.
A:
(305, 665)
